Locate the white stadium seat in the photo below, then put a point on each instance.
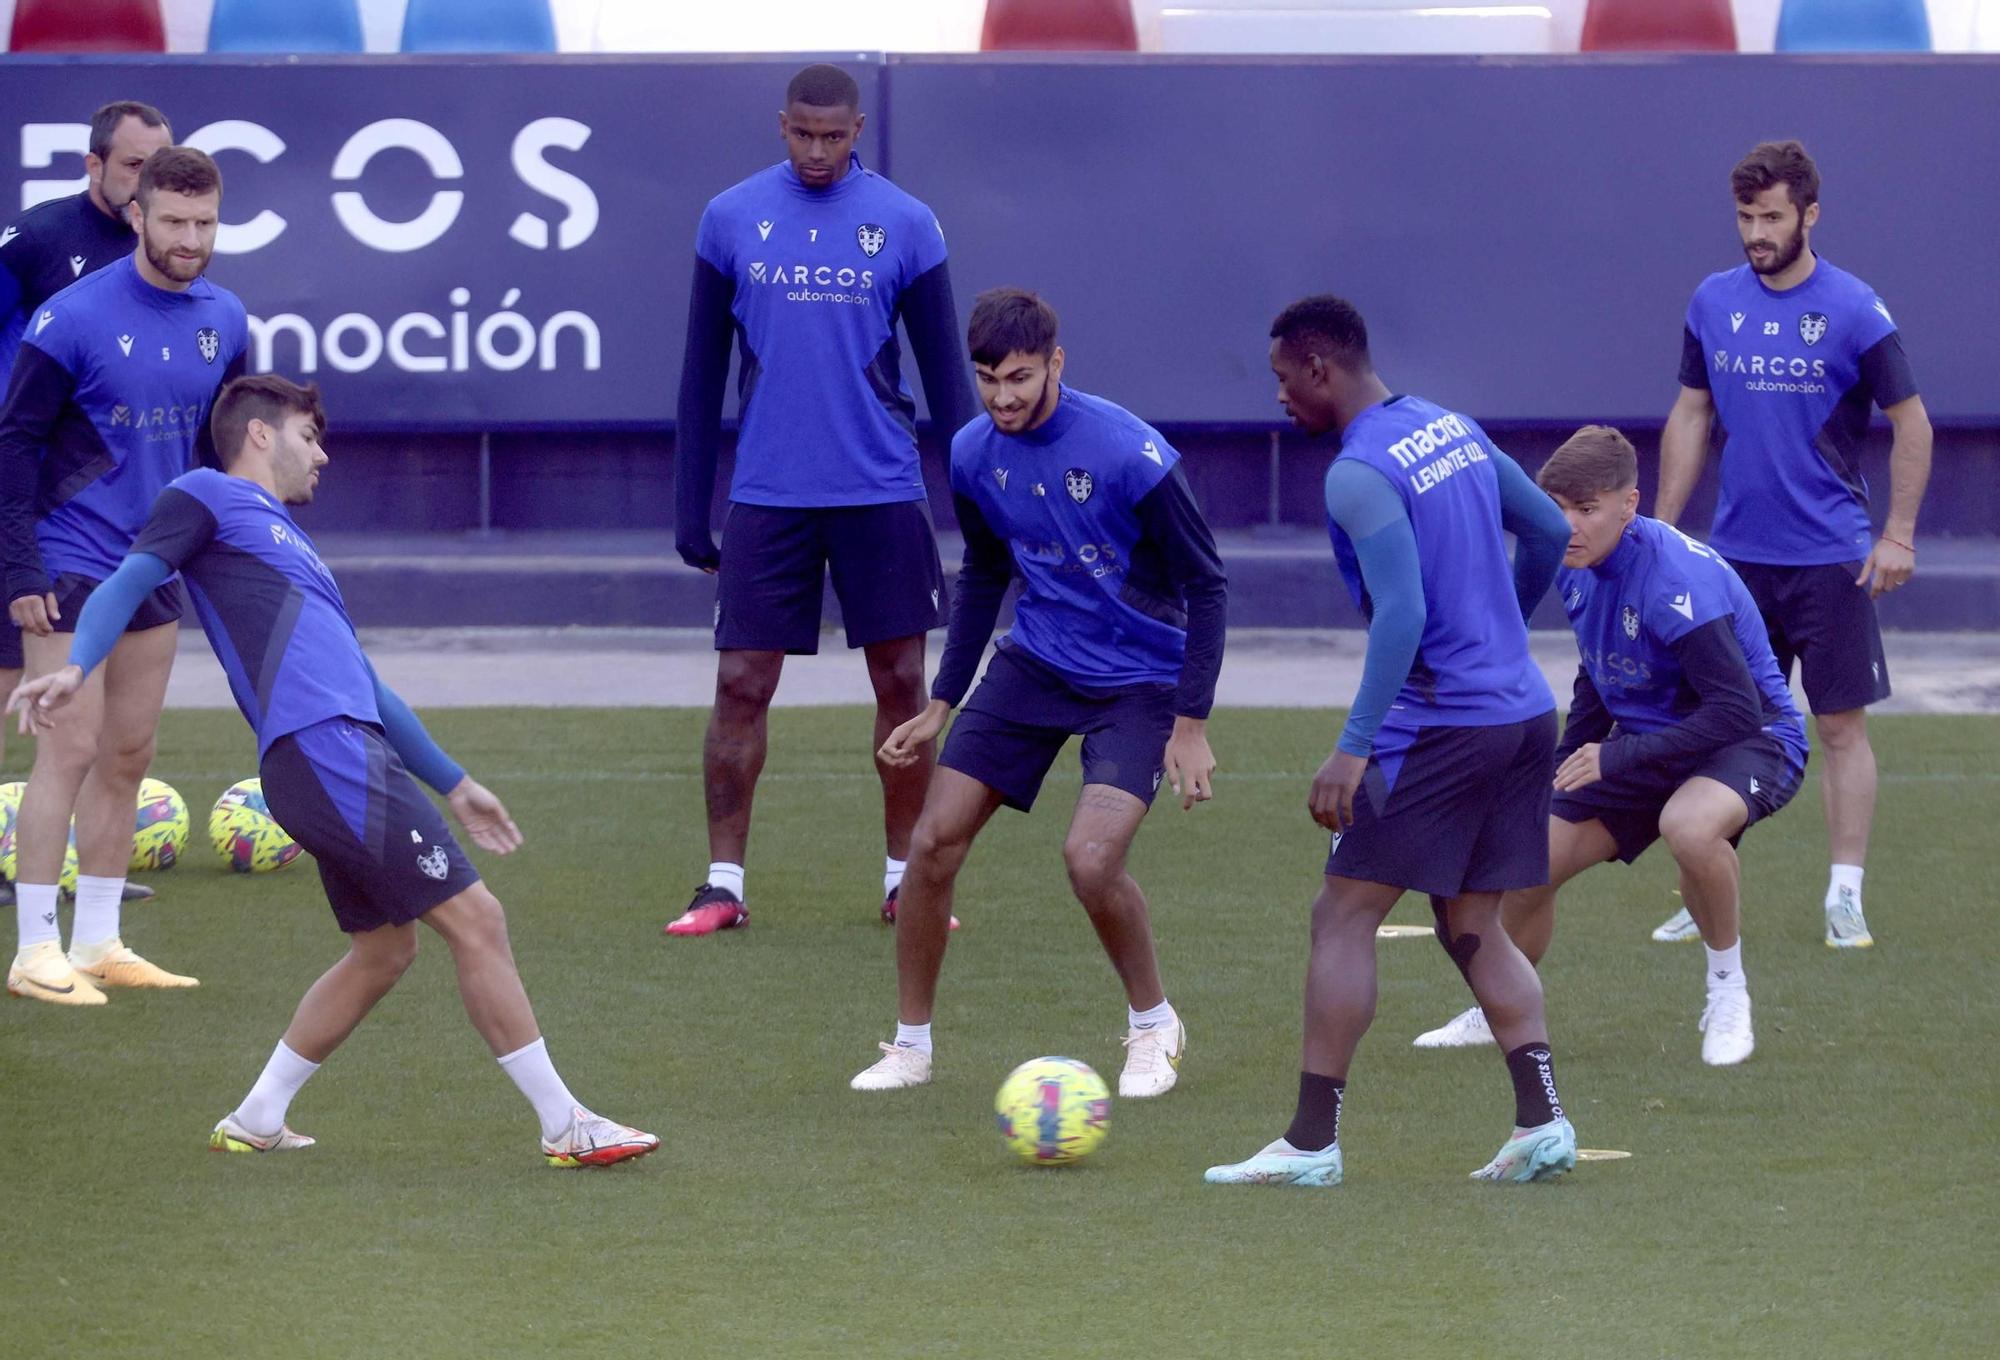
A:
(1434, 29)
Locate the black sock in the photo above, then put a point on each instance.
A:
(1316, 1126)
(1534, 1074)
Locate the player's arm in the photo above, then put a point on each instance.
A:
(1361, 501)
(482, 815)
(12, 324)
(1541, 533)
(1170, 519)
(931, 318)
(1885, 372)
(1589, 720)
(698, 416)
(36, 393)
(983, 577)
(1684, 442)
(1728, 708)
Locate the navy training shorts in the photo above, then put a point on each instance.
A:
(775, 561)
(1818, 617)
(1629, 803)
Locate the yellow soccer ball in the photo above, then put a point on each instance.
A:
(160, 829)
(10, 806)
(1053, 1111)
(244, 833)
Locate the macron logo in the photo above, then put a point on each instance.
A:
(9, 234)
(1683, 606)
(76, 266)
(1735, 322)
(1880, 306)
(764, 231)
(125, 345)
(42, 321)
(1152, 451)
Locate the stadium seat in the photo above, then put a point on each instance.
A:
(1659, 26)
(1509, 29)
(87, 26)
(1986, 27)
(1059, 26)
(1854, 26)
(479, 26)
(285, 26)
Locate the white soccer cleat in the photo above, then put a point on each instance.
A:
(1677, 929)
(230, 1136)
(1725, 1027)
(1281, 1164)
(899, 1066)
(1152, 1060)
(42, 973)
(1845, 926)
(593, 1140)
(1467, 1029)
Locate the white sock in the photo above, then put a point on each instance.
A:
(97, 903)
(263, 1110)
(35, 914)
(1843, 876)
(727, 876)
(1160, 1017)
(1725, 967)
(914, 1036)
(892, 873)
(536, 1076)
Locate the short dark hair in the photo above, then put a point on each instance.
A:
(1774, 163)
(1009, 321)
(263, 396)
(823, 87)
(178, 170)
(105, 122)
(1594, 460)
(1327, 326)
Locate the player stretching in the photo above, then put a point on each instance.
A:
(1117, 637)
(1681, 728)
(811, 262)
(336, 749)
(1791, 352)
(108, 403)
(1440, 780)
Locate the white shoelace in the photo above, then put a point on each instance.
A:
(1726, 1008)
(1146, 1049)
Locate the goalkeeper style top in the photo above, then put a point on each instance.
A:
(45, 250)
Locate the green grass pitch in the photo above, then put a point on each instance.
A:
(1833, 1197)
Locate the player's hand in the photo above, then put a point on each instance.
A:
(37, 700)
(1888, 566)
(1190, 765)
(32, 613)
(484, 817)
(699, 551)
(906, 743)
(1583, 767)
(1333, 789)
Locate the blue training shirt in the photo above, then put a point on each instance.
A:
(1472, 667)
(108, 403)
(270, 607)
(1793, 375)
(819, 275)
(1628, 612)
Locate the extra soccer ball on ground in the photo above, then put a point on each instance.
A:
(10, 806)
(160, 829)
(245, 834)
(1053, 1111)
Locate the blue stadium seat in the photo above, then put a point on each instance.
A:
(285, 26)
(1854, 26)
(479, 26)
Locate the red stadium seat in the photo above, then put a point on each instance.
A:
(1059, 26)
(1659, 26)
(88, 26)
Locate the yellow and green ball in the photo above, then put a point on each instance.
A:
(160, 830)
(244, 833)
(10, 807)
(1053, 1111)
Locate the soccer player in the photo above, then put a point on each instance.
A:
(1791, 352)
(1117, 637)
(108, 403)
(1440, 781)
(811, 262)
(51, 246)
(336, 749)
(1681, 727)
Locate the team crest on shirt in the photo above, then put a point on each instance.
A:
(1812, 327)
(208, 342)
(872, 239)
(1630, 618)
(1077, 482)
(434, 864)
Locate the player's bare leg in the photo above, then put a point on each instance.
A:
(896, 670)
(732, 754)
(344, 994)
(1340, 972)
(1696, 824)
(1100, 835)
(1847, 786)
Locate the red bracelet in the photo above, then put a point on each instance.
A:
(1909, 548)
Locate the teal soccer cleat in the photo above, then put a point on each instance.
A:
(1536, 1154)
(1281, 1164)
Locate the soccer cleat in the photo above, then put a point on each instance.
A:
(1725, 1027)
(111, 964)
(1678, 928)
(230, 1136)
(42, 973)
(136, 892)
(889, 908)
(1152, 1060)
(593, 1140)
(1845, 927)
(1467, 1029)
(1281, 1164)
(899, 1066)
(710, 910)
(1536, 1154)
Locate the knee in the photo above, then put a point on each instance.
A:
(1094, 866)
(899, 684)
(1689, 834)
(388, 959)
(67, 751)
(482, 923)
(125, 757)
(1840, 733)
(1460, 934)
(743, 685)
(936, 852)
